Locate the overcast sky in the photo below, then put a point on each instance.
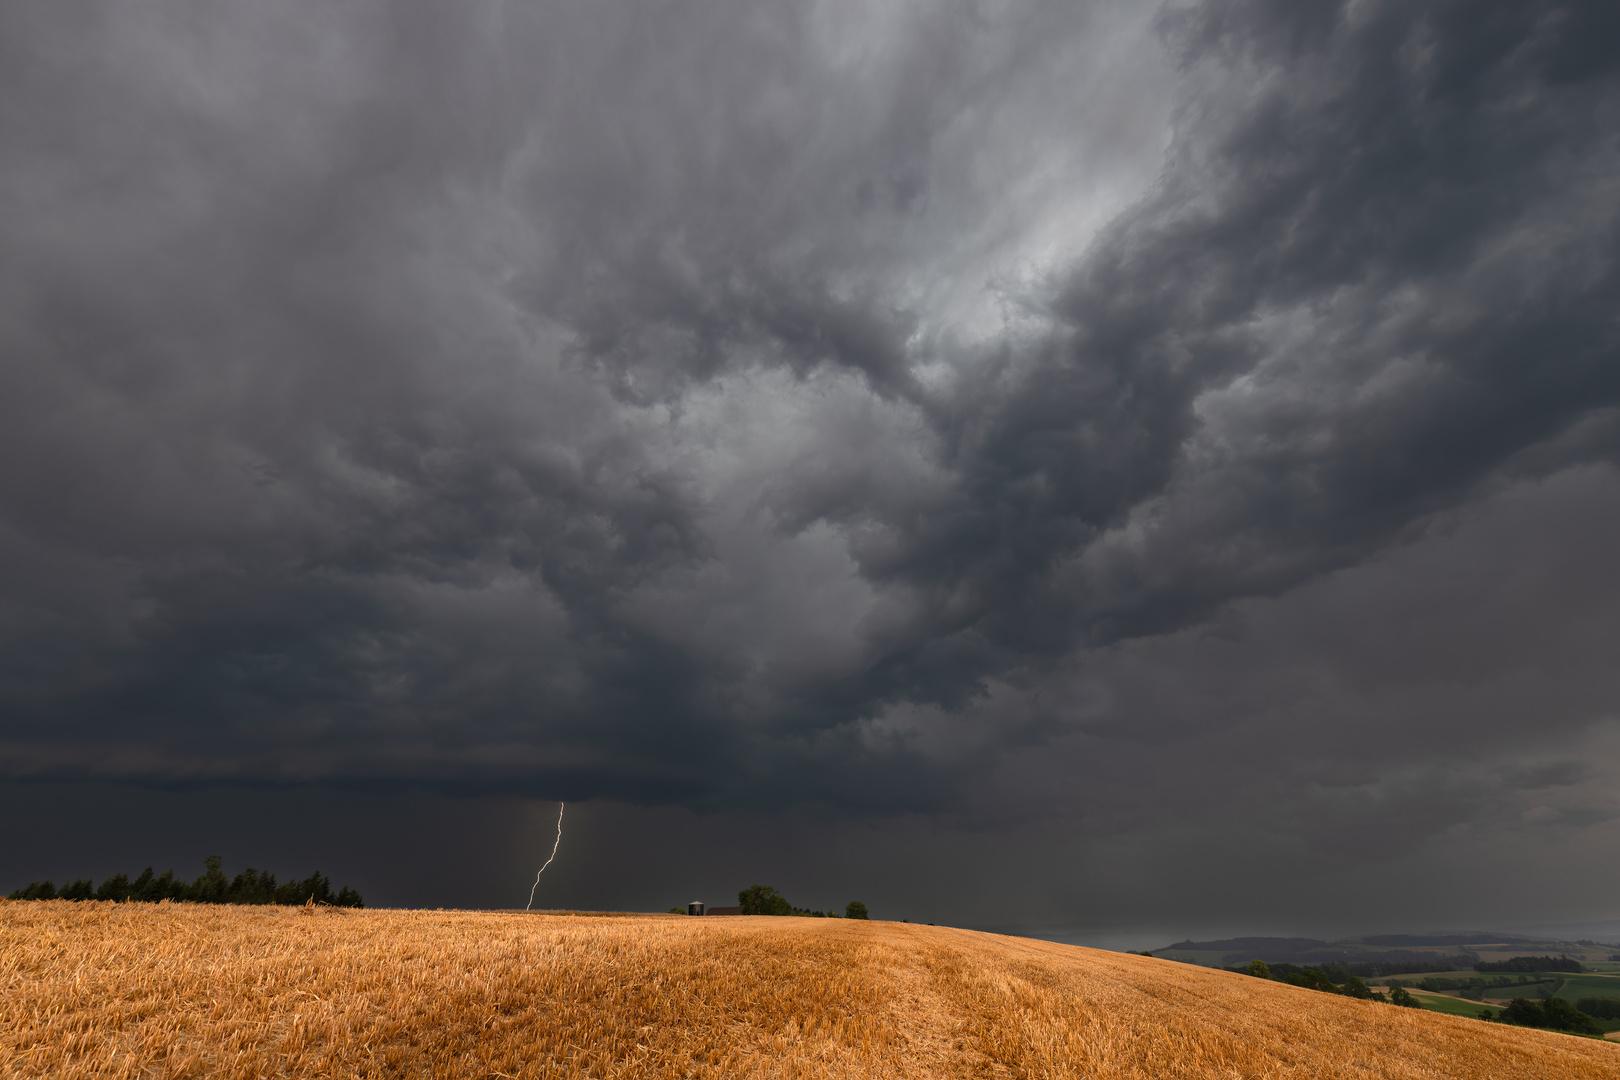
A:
(1113, 466)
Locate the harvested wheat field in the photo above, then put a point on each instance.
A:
(139, 990)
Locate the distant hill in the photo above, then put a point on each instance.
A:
(1228, 952)
(1255, 945)
(1391, 952)
(1473, 938)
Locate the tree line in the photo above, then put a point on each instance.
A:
(1340, 970)
(1473, 989)
(1329, 978)
(1600, 1008)
(1554, 1014)
(1532, 963)
(765, 900)
(213, 887)
(1379, 969)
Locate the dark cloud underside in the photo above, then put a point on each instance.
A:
(991, 411)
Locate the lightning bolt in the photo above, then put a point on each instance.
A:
(553, 855)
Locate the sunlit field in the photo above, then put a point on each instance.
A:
(175, 990)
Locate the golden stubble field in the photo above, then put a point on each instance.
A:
(175, 990)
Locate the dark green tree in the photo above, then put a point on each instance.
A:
(141, 887)
(1562, 1016)
(1259, 969)
(36, 890)
(252, 887)
(763, 900)
(212, 886)
(1312, 979)
(1524, 1013)
(1531, 963)
(1603, 1008)
(82, 889)
(113, 888)
(248, 887)
(855, 910)
(1399, 996)
(153, 889)
(316, 887)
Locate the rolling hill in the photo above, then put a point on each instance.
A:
(175, 990)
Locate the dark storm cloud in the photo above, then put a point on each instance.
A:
(1358, 289)
(869, 406)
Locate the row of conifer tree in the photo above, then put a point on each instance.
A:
(213, 887)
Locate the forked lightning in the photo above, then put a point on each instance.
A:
(553, 855)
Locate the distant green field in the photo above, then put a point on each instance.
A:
(1459, 976)
(1542, 983)
(1489, 952)
(1590, 986)
(1207, 959)
(1436, 1003)
(1471, 1009)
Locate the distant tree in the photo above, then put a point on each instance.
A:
(252, 887)
(1554, 1013)
(1311, 979)
(153, 889)
(113, 888)
(1259, 969)
(1354, 987)
(677, 911)
(248, 887)
(212, 886)
(36, 890)
(1603, 1008)
(1531, 963)
(763, 900)
(1400, 996)
(1524, 1013)
(1562, 1016)
(317, 888)
(82, 889)
(855, 910)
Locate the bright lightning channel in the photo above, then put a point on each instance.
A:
(553, 855)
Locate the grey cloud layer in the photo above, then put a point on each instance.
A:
(862, 404)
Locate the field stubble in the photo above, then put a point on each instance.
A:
(133, 990)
